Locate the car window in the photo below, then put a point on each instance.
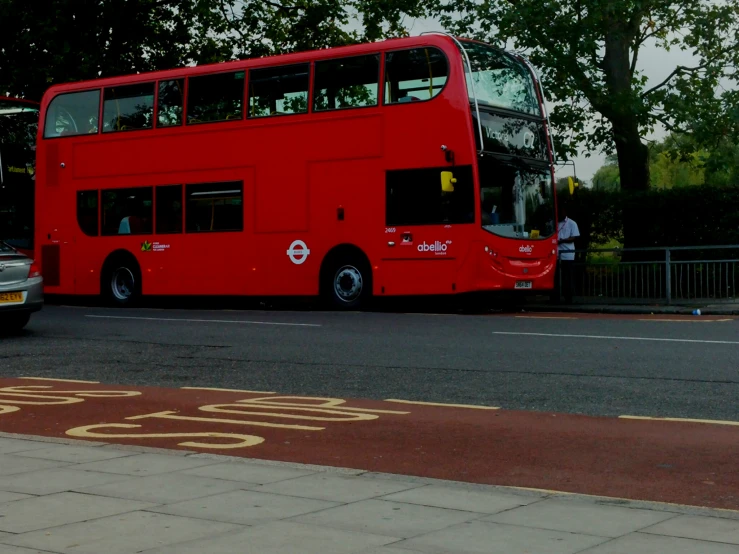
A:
(5, 248)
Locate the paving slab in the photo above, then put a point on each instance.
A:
(575, 516)
(393, 519)
(337, 488)
(10, 446)
(51, 481)
(480, 537)
(642, 543)
(281, 537)
(74, 454)
(7, 549)
(12, 496)
(167, 488)
(42, 512)
(13, 465)
(247, 473)
(490, 502)
(145, 464)
(700, 528)
(122, 534)
(245, 507)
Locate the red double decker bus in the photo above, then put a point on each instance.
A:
(413, 166)
(18, 129)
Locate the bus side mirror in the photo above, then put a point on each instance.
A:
(447, 181)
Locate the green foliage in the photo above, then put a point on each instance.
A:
(607, 178)
(690, 216)
(43, 43)
(588, 52)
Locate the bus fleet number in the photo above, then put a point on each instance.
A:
(389, 229)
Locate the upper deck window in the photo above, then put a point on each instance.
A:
(170, 102)
(346, 83)
(74, 113)
(500, 80)
(129, 107)
(414, 75)
(279, 90)
(218, 97)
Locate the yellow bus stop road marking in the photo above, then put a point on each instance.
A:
(687, 320)
(467, 406)
(682, 420)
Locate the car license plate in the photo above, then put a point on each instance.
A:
(11, 297)
(524, 285)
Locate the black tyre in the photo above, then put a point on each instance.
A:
(14, 322)
(121, 282)
(348, 282)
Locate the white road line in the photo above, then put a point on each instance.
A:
(543, 317)
(60, 380)
(554, 335)
(214, 389)
(206, 320)
(466, 406)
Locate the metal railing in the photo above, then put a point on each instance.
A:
(678, 274)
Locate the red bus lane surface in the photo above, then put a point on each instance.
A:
(684, 463)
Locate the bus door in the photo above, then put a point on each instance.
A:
(427, 212)
(55, 213)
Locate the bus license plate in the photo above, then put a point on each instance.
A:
(524, 285)
(11, 297)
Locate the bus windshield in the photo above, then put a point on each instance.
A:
(517, 199)
(500, 81)
(18, 126)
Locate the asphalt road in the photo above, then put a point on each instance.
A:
(591, 365)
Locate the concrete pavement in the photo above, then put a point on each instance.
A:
(70, 496)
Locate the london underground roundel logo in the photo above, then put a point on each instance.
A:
(298, 252)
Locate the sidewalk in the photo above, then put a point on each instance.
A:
(69, 496)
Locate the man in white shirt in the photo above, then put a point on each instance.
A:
(567, 233)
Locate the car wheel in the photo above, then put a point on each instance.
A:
(14, 323)
(349, 283)
(121, 283)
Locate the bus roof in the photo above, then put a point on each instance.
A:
(432, 39)
(19, 100)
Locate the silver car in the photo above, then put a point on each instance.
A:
(21, 289)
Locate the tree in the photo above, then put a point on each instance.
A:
(44, 43)
(589, 51)
(250, 28)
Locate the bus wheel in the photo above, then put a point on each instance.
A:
(350, 285)
(121, 282)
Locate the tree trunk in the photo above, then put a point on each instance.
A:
(633, 156)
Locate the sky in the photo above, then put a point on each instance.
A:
(656, 64)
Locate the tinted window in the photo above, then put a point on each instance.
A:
(414, 197)
(279, 90)
(414, 75)
(87, 212)
(170, 102)
(127, 211)
(346, 83)
(128, 108)
(72, 114)
(169, 209)
(214, 207)
(215, 97)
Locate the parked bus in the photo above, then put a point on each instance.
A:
(412, 166)
(18, 129)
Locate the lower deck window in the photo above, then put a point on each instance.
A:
(214, 207)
